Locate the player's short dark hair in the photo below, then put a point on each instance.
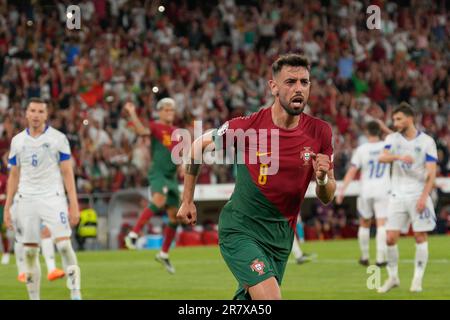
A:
(292, 60)
(36, 100)
(404, 108)
(373, 128)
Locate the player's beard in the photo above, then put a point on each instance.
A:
(290, 111)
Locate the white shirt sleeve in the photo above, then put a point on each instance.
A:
(389, 143)
(13, 157)
(431, 151)
(64, 148)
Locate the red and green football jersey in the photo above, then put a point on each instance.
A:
(266, 206)
(161, 147)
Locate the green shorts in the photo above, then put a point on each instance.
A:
(167, 186)
(249, 261)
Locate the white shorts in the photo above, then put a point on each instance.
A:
(32, 213)
(369, 207)
(402, 212)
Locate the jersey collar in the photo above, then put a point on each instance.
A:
(45, 130)
(418, 133)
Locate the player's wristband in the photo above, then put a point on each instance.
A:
(193, 169)
(322, 182)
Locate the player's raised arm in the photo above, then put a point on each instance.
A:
(188, 212)
(139, 128)
(384, 128)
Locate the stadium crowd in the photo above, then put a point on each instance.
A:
(213, 58)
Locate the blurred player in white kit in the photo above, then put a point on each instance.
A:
(40, 173)
(413, 156)
(374, 191)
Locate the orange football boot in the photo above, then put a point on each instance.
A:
(55, 274)
(22, 277)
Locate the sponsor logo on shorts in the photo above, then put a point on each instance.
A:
(258, 266)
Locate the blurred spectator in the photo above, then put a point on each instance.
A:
(86, 234)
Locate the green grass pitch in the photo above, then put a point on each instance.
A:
(201, 273)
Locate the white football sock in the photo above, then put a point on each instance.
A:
(20, 258)
(392, 261)
(74, 282)
(164, 255)
(68, 256)
(364, 238)
(296, 250)
(70, 265)
(421, 259)
(33, 272)
(381, 244)
(48, 251)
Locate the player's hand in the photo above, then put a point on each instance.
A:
(421, 204)
(130, 108)
(7, 219)
(340, 197)
(187, 213)
(74, 214)
(407, 159)
(321, 165)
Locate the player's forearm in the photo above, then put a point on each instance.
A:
(388, 158)
(192, 169)
(69, 184)
(189, 187)
(349, 176)
(384, 127)
(11, 189)
(326, 192)
(429, 184)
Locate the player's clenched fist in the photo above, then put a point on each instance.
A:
(321, 165)
(187, 213)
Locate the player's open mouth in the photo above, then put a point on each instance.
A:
(297, 101)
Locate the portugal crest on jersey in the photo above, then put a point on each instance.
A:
(258, 266)
(306, 155)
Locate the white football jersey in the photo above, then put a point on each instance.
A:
(39, 159)
(375, 176)
(409, 179)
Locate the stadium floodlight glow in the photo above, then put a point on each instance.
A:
(161, 9)
(85, 122)
(155, 89)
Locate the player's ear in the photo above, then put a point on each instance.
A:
(273, 87)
